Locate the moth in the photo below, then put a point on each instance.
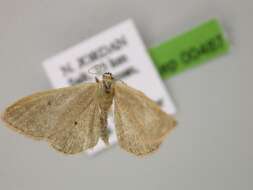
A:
(72, 119)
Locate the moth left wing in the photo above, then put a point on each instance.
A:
(141, 125)
(68, 117)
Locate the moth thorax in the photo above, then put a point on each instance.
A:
(107, 81)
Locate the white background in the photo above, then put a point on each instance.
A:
(211, 149)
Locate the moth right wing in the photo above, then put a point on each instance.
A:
(69, 118)
(141, 125)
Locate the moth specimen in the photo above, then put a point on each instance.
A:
(72, 119)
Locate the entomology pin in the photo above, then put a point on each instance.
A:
(72, 119)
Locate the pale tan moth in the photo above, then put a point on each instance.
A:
(72, 119)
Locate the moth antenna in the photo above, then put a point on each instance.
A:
(120, 80)
(98, 69)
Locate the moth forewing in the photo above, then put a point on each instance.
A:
(42, 114)
(140, 123)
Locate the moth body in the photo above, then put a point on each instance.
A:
(105, 96)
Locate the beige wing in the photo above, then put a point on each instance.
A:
(69, 118)
(141, 125)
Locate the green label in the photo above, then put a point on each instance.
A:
(190, 49)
